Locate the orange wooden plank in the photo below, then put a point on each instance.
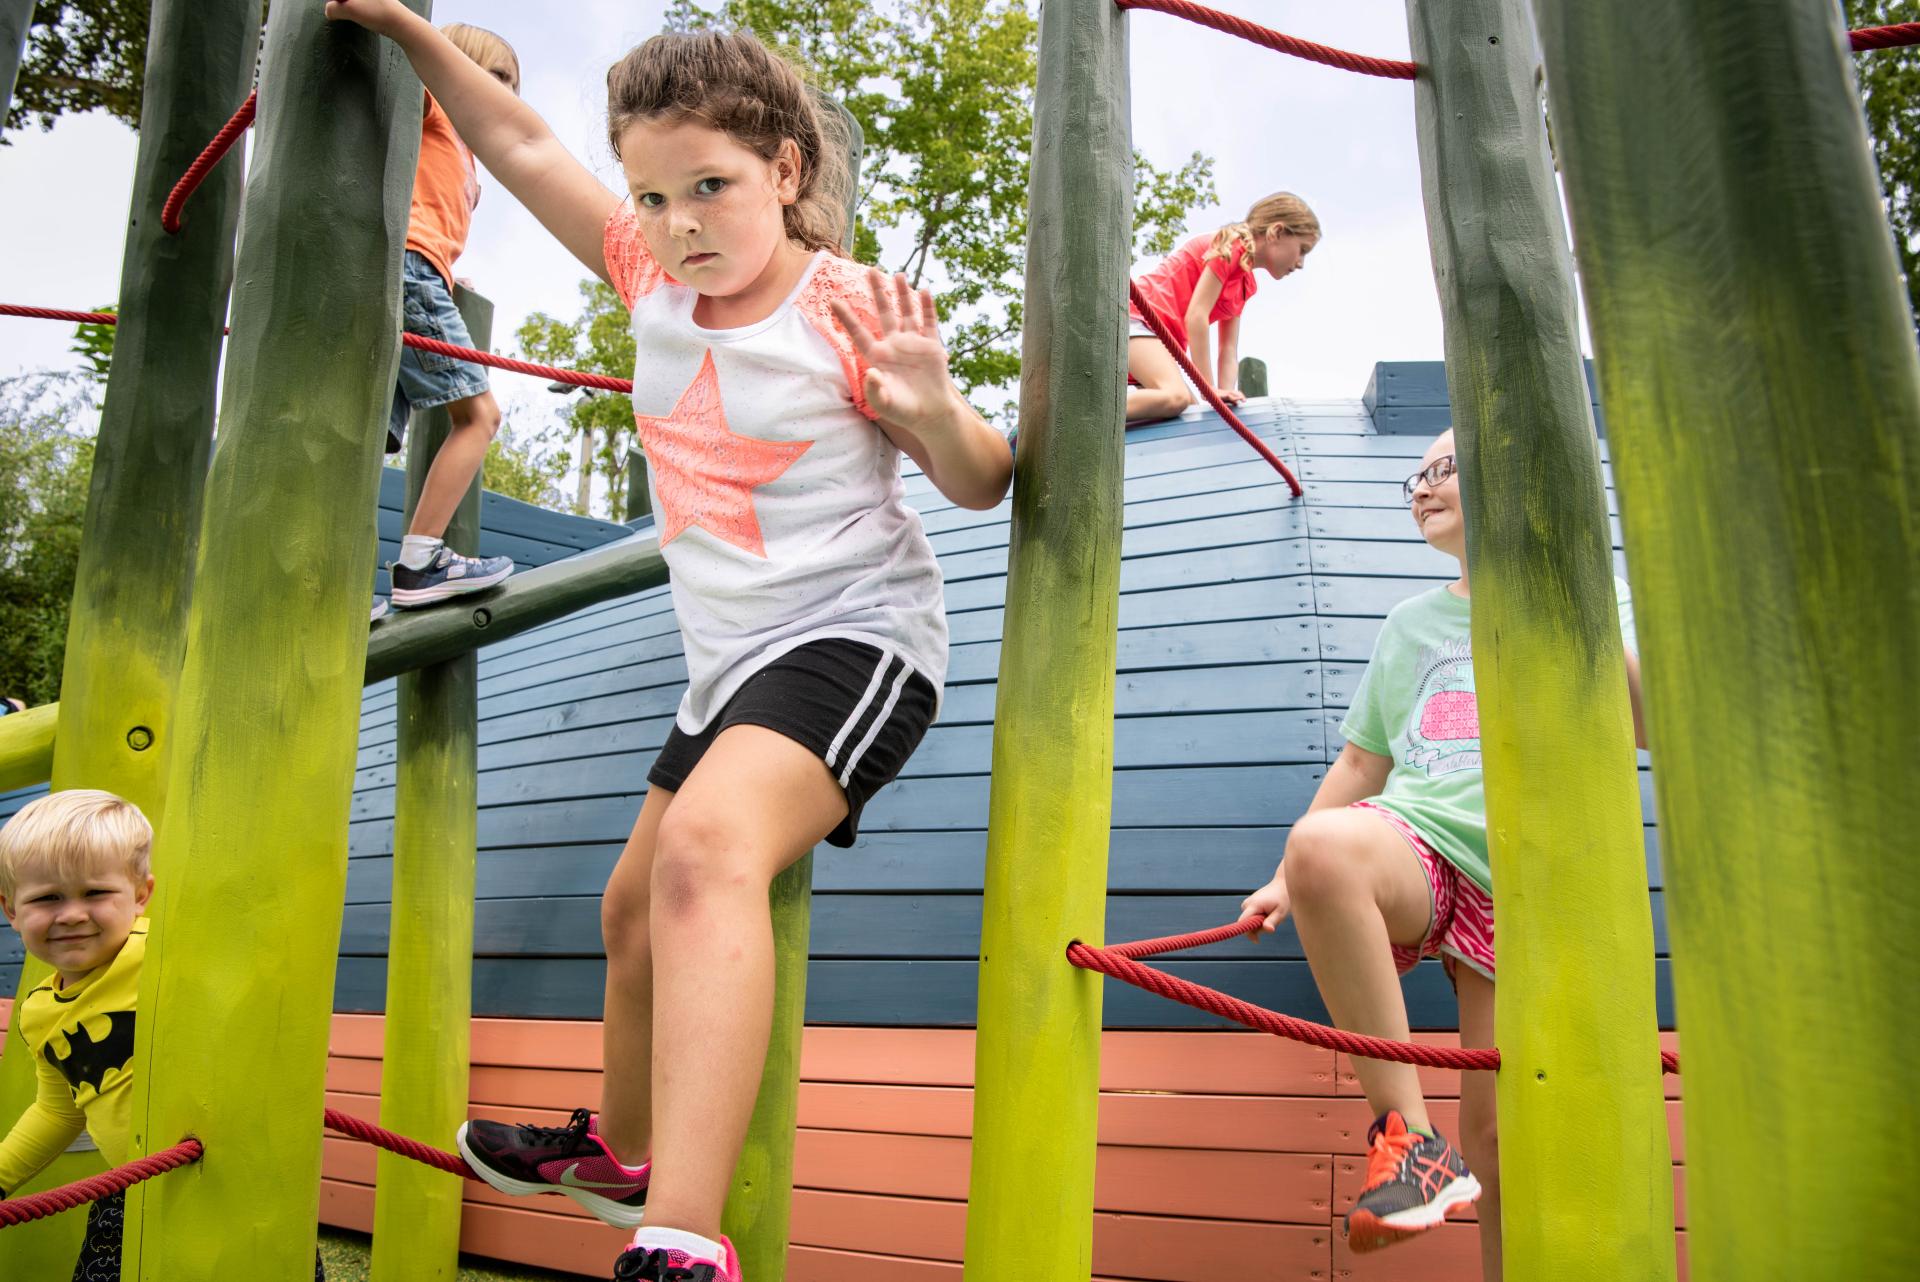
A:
(1153, 1248)
(583, 1246)
(1450, 1253)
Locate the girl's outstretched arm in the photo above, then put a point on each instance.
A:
(919, 408)
(507, 135)
(1199, 312)
(1228, 384)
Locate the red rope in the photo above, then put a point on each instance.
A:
(1325, 54)
(1900, 33)
(203, 165)
(575, 377)
(552, 372)
(1118, 962)
(1179, 354)
(54, 313)
(439, 1159)
(37, 1206)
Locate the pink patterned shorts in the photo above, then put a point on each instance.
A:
(1461, 927)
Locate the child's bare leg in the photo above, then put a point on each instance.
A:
(1479, 1134)
(1356, 889)
(757, 802)
(461, 455)
(626, 1117)
(1163, 391)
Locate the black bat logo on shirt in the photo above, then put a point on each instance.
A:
(87, 1061)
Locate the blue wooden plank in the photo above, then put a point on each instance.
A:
(873, 927)
(930, 994)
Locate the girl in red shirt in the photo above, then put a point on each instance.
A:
(1208, 280)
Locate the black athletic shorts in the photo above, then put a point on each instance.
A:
(859, 709)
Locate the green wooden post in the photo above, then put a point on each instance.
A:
(1575, 998)
(1253, 376)
(1037, 1064)
(1762, 393)
(26, 747)
(639, 499)
(15, 15)
(759, 1210)
(423, 1075)
(127, 626)
(237, 992)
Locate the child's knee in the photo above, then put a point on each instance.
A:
(695, 862)
(624, 910)
(1318, 866)
(476, 413)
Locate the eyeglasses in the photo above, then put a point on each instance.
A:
(1434, 474)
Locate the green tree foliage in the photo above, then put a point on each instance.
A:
(943, 90)
(599, 424)
(82, 54)
(94, 344)
(1890, 87)
(46, 454)
(521, 471)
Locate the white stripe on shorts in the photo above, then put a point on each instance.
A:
(873, 686)
(886, 710)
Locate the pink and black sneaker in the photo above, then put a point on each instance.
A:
(570, 1159)
(639, 1263)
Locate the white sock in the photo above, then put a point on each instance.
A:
(416, 550)
(680, 1240)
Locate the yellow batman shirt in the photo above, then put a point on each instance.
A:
(81, 1039)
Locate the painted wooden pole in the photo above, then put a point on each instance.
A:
(1575, 997)
(1038, 1052)
(26, 747)
(1253, 376)
(236, 995)
(429, 1011)
(127, 625)
(1762, 393)
(15, 15)
(414, 639)
(759, 1208)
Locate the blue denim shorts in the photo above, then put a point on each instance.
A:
(428, 379)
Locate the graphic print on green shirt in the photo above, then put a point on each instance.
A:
(1416, 705)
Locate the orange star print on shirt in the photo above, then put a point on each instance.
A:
(704, 473)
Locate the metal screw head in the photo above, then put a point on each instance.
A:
(139, 738)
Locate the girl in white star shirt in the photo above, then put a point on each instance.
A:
(777, 385)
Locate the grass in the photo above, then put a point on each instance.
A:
(349, 1258)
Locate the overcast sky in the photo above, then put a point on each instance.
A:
(1344, 142)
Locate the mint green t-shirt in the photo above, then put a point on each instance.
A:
(1416, 705)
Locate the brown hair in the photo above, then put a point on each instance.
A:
(731, 82)
(72, 833)
(1282, 210)
(484, 47)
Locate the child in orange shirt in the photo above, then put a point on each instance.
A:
(1208, 280)
(445, 190)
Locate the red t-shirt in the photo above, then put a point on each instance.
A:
(1169, 287)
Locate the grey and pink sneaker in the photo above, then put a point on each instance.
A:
(570, 1159)
(640, 1263)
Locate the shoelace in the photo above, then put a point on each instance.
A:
(641, 1265)
(1386, 1153)
(574, 1132)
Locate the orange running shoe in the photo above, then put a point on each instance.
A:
(1414, 1182)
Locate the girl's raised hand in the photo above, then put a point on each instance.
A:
(907, 382)
(382, 16)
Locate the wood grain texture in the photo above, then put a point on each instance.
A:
(416, 1232)
(1757, 360)
(1576, 999)
(234, 996)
